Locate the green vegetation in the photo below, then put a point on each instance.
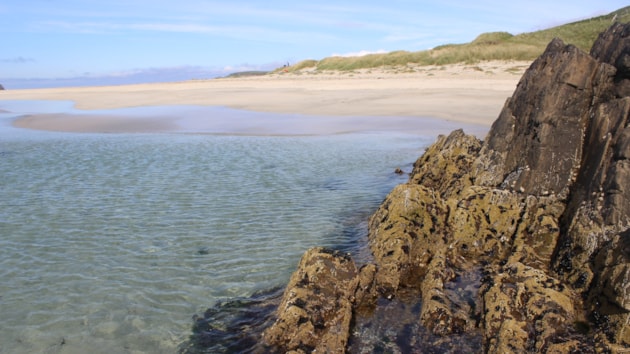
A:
(305, 64)
(487, 46)
(245, 74)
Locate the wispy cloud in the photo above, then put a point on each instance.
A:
(17, 60)
(134, 76)
(360, 53)
(247, 32)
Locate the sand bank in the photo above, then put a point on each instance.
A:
(471, 94)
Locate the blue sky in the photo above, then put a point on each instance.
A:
(76, 42)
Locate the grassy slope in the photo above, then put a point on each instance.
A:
(488, 46)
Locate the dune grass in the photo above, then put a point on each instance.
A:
(245, 74)
(487, 46)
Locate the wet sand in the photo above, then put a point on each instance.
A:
(94, 123)
(467, 94)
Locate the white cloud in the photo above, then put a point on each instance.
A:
(360, 53)
(17, 60)
(135, 76)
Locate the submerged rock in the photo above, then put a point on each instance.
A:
(233, 326)
(519, 243)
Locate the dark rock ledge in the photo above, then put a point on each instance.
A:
(519, 243)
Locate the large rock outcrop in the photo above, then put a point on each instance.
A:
(535, 220)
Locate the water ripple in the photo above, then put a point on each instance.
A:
(109, 243)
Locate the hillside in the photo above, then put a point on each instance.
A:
(487, 46)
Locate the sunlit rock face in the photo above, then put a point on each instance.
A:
(518, 243)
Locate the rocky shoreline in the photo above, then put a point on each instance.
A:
(518, 243)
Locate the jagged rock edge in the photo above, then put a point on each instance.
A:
(576, 287)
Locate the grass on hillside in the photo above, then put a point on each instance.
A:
(245, 74)
(487, 46)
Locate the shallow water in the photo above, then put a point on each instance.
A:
(111, 242)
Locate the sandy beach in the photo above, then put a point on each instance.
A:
(470, 94)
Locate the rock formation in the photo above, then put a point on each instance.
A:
(317, 306)
(536, 219)
(1, 87)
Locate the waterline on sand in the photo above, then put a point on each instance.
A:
(222, 120)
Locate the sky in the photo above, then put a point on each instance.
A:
(48, 43)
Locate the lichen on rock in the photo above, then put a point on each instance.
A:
(316, 309)
(535, 218)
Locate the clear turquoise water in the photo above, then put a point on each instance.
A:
(109, 243)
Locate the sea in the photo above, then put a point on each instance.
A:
(111, 243)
